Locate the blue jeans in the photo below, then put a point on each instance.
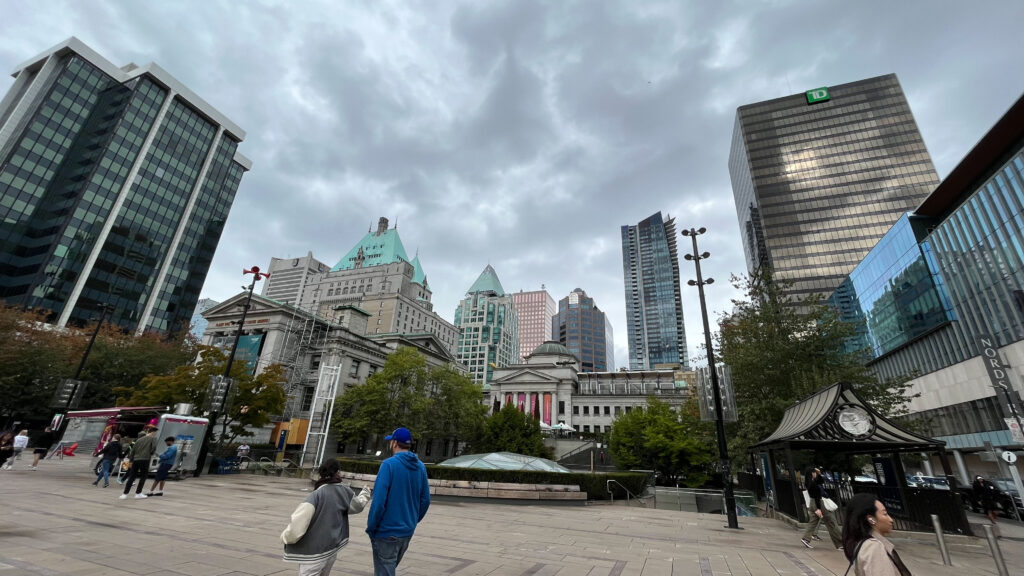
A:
(387, 553)
(104, 472)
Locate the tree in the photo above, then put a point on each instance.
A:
(254, 399)
(782, 349)
(34, 357)
(437, 402)
(512, 431)
(122, 359)
(676, 444)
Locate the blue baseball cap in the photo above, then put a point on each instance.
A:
(400, 435)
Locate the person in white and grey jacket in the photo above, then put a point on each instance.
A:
(319, 526)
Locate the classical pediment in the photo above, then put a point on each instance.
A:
(525, 376)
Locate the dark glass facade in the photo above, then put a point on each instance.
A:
(654, 303)
(978, 251)
(895, 295)
(113, 191)
(816, 185)
(584, 329)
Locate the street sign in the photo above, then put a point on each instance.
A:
(1009, 457)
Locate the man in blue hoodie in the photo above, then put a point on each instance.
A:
(401, 497)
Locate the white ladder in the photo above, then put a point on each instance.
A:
(320, 414)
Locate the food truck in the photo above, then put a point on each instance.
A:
(92, 429)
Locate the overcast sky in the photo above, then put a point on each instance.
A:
(525, 133)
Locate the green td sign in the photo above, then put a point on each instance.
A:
(818, 95)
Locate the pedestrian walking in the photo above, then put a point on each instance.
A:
(20, 443)
(41, 446)
(110, 453)
(167, 459)
(143, 450)
(401, 497)
(6, 449)
(864, 539)
(816, 495)
(988, 494)
(319, 526)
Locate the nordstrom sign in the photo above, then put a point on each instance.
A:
(993, 363)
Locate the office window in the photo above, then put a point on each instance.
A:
(307, 398)
(354, 368)
(607, 410)
(586, 410)
(561, 407)
(575, 410)
(586, 428)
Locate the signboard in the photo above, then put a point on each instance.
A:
(818, 95)
(1015, 432)
(1009, 457)
(216, 395)
(989, 350)
(705, 395)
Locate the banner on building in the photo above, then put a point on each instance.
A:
(1015, 432)
(706, 394)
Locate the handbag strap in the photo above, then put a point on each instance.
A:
(856, 552)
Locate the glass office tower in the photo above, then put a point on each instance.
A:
(115, 184)
(654, 302)
(584, 329)
(535, 309)
(819, 177)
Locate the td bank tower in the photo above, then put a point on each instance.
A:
(818, 177)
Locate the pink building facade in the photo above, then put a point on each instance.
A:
(535, 310)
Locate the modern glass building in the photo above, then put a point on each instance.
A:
(115, 184)
(896, 294)
(199, 323)
(654, 301)
(819, 177)
(488, 327)
(942, 279)
(585, 331)
(535, 310)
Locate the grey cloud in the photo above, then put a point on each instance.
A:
(525, 134)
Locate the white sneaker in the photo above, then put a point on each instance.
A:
(122, 497)
(140, 496)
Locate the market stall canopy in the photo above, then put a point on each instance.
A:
(837, 419)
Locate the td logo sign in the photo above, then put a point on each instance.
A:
(818, 95)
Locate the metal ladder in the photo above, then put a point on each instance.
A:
(321, 413)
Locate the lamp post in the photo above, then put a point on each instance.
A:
(216, 408)
(723, 450)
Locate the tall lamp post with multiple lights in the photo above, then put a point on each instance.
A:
(219, 402)
(723, 450)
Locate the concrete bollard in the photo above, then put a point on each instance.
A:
(942, 540)
(997, 554)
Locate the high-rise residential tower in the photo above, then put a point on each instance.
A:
(819, 177)
(115, 184)
(585, 330)
(488, 328)
(289, 276)
(654, 301)
(535, 310)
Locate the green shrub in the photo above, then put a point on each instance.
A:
(595, 485)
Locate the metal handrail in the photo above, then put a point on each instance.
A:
(590, 445)
(607, 487)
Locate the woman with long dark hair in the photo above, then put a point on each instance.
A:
(870, 553)
(319, 526)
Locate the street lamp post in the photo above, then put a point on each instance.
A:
(216, 408)
(723, 450)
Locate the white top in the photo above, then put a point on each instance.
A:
(20, 442)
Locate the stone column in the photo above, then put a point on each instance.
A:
(961, 468)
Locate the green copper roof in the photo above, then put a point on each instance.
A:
(418, 276)
(377, 249)
(487, 282)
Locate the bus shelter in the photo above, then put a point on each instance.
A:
(836, 425)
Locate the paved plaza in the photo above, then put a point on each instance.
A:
(53, 522)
